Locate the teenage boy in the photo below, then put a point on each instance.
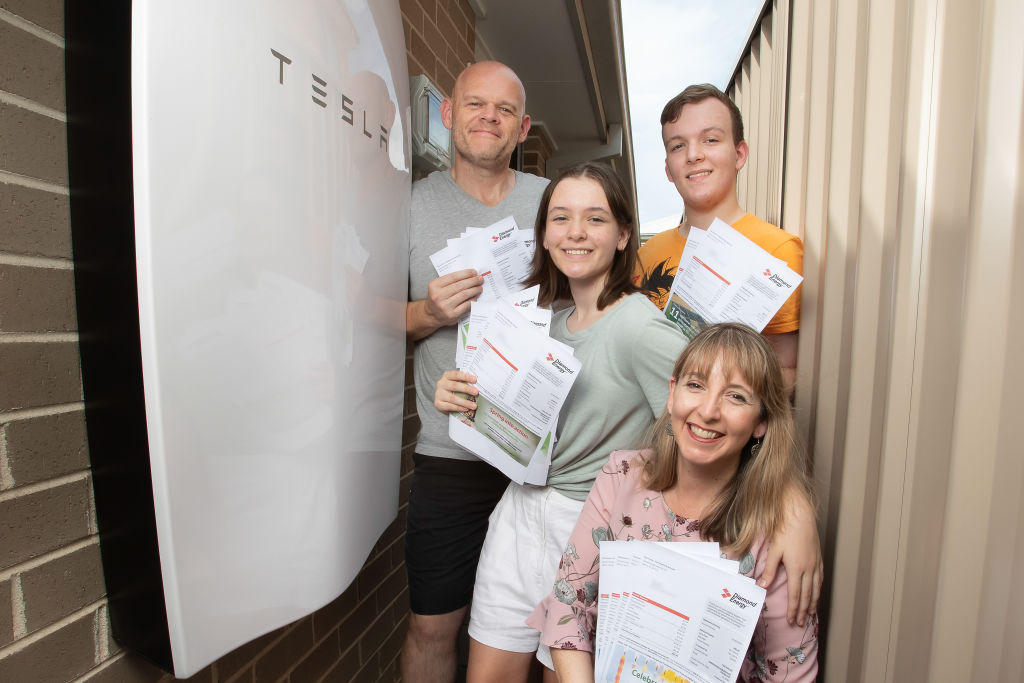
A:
(704, 151)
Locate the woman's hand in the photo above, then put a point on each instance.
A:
(796, 544)
(451, 384)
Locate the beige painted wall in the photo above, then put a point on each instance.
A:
(903, 152)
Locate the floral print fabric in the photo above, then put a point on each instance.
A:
(620, 508)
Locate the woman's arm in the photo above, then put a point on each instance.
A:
(451, 384)
(796, 545)
(573, 666)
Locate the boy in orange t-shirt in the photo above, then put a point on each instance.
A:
(704, 151)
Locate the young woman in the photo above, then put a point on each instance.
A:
(586, 255)
(715, 467)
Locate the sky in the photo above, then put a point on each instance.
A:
(669, 45)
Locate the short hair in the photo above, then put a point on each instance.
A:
(554, 286)
(695, 94)
(750, 507)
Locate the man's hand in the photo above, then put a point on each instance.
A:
(446, 394)
(796, 545)
(448, 298)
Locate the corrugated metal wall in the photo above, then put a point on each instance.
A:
(890, 136)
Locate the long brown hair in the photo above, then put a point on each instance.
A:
(554, 286)
(751, 504)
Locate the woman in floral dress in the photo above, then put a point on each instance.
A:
(715, 467)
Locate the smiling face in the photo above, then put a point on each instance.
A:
(581, 234)
(701, 159)
(714, 416)
(485, 114)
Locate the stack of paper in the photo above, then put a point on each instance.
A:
(523, 375)
(725, 277)
(672, 612)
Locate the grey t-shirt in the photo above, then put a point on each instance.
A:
(441, 210)
(627, 358)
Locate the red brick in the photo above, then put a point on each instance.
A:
(48, 14)
(451, 59)
(435, 40)
(204, 676)
(45, 447)
(397, 552)
(6, 613)
(412, 13)
(352, 628)
(242, 656)
(465, 11)
(31, 67)
(36, 223)
(342, 671)
(37, 523)
(409, 403)
(283, 654)
(410, 428)
(319, 661)
(330, 615)
(444, 79)
(371, 575)
(394, 642)
(465, 49)
(429, 8)
(39, 374)
(63, 655)
(36, 299)
(447, 26)
(127, 668)
(370, 671)
(33, 145)
(391, 587)
(415, 68)
(422, 53)
(62, 586)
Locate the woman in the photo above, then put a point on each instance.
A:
(715, 467)
(586, 253)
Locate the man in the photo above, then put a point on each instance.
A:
(704, 151)
(453, 492)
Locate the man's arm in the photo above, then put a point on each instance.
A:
(797, 546)
(448, 298)
(785, 346)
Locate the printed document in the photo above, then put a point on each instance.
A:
(676, 617)
(523, 377)
(725, 277)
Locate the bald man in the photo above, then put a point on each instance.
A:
(453, 492)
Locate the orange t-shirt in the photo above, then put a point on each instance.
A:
(659, 260)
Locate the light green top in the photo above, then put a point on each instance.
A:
(627, 360)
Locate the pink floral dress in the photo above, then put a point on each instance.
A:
(619, 507)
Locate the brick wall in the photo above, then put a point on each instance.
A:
(536, 151)
(440, 38)
(54, 624)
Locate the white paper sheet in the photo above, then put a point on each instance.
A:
(725, 277)
(523, 377)
(678, 618)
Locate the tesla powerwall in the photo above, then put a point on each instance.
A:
(270, 168)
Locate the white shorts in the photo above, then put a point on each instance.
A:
(527, 534)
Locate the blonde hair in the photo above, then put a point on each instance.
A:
(750, 506)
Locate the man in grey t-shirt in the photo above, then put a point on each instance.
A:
(453, 492)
